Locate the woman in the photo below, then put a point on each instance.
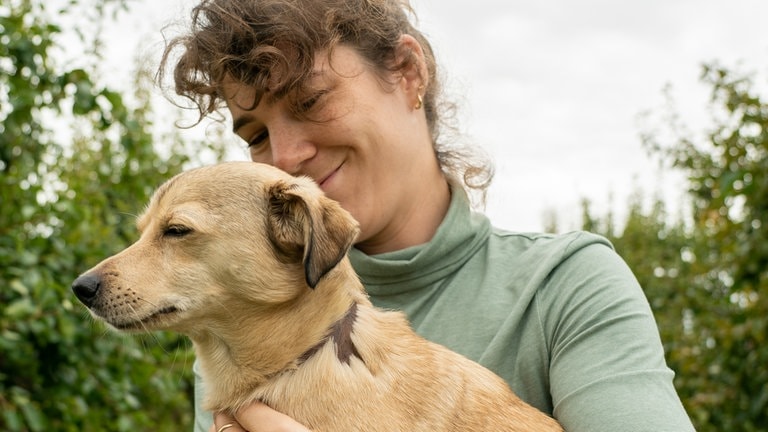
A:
(346, 92)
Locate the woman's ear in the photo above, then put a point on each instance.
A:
(415, 77)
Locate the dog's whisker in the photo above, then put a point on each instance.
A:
(151, 334)
(136, 315)
(184, 366)
(148, 331)
(104, 331)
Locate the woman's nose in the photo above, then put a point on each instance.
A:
(290, 149)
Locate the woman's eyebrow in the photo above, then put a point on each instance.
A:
(241, 121)
(247, 118)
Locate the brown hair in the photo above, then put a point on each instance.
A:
(271, 45)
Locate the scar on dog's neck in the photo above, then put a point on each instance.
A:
(341, 334)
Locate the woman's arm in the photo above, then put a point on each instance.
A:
(607, 371)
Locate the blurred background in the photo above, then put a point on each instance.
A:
(647, 123)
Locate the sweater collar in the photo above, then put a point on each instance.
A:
(458, 237)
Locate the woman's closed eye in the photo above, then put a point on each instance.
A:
(258, 139)
(311, 103)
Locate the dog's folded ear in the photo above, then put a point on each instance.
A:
(304, 224)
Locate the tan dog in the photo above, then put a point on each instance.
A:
(251, 264)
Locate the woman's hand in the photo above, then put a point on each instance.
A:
(256, 417)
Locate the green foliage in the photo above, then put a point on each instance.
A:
(707, 278)
(76, 165)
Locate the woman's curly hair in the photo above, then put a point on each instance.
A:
(271, 45)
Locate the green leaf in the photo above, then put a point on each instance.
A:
(19, 287)
(20, 309)
(33, 416)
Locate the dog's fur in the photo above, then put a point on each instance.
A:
(251, 264)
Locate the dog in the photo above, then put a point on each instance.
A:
(250, 263)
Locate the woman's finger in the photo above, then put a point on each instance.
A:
(259, 417)
(225, 423)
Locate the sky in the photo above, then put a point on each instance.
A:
(552, 90)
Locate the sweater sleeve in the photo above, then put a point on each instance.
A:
(607, 366)
(203, 418)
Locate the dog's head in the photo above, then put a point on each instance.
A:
(237, 233)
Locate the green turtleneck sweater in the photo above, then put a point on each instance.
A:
(560, 317)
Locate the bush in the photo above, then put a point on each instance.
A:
(67, 204)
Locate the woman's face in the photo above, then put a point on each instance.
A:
(367, 148)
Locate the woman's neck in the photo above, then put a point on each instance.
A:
(418, 222)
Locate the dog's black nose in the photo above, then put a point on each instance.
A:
(86, 287)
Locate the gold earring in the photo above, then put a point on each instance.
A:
(420, 102)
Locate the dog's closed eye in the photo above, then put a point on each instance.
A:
(177, 231)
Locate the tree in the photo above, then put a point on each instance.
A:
(729, 187)
(67, 203)
(707, 278)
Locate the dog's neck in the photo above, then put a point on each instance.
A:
(341, 333)
(243, 377)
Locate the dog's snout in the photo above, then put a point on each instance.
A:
(86, 288)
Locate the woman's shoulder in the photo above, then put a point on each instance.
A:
(544, 247)
(554, 263)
